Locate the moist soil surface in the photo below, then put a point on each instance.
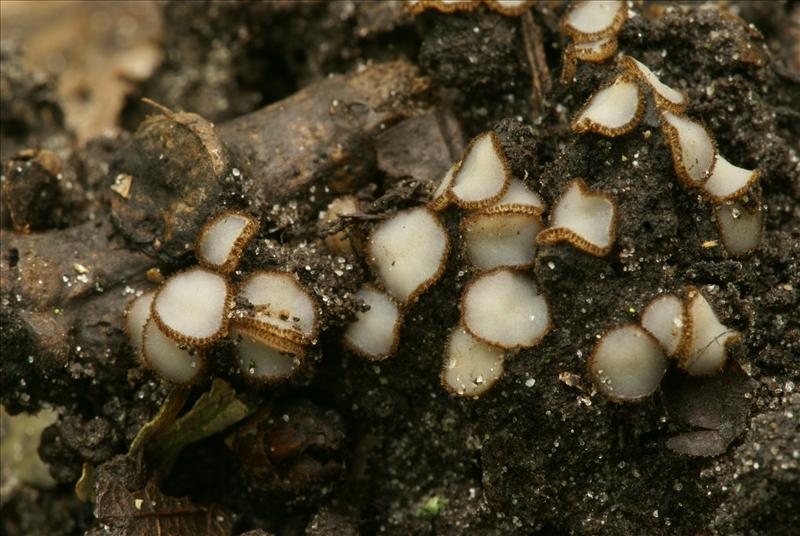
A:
(298, 104)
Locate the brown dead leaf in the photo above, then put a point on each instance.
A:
(123, 508)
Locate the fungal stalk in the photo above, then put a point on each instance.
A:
(740, 227)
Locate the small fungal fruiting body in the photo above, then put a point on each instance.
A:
(483, 176)
(595, 19)
(471, 367)
(664, 317)
(614, 110)
(705, 347)
(593, 26)
(740, 227)
(191, 306)
(223, 239)
(375, 332)
(585, 219)
(627, 364)
(504, 308)
(408, 251)
(501, 236)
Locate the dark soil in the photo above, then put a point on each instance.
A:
(382, 447)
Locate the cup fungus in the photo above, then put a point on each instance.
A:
(471, 367)
(511, 8)
(613, 110)
(739, 226)
(585, 219)
(501, 236)
(596, 51)
(666, 98)
(282, 306)
(441, 196)
(172, 360)
(192, 306)
(728, 182)
(627, 364)
(705, 347)
(504, 308)
(375, 333)
(520, 196)
(263, 356)
(664, 317)
(484, 174)
(693, 149)
(589, 20)
(222, 240)
(136, 316)
(408, 252)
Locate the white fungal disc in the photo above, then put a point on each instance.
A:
(502, 236)
(171, 360)
(706, 344)
(504, 308)
(264, 357)
(693, 149)
(471, 367)
(484, 174)
(627, 364)
(585, 219)
(374, 334)
(136, 316)
(740, 227)
(728, 182)
(281, 305)
(509, 8)
(666, 97)
(520, 196)
(613, 110)
(441, 196)
(408, 252)
(192, 306)
(222, 240)
(589, 20)
(340, 242)
(664, 318)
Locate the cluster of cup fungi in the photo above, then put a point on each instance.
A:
(272, 319)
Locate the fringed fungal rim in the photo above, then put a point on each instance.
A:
(184, 339)
(554, 235)
(498, 149)
(235, 255)
(582, 125)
